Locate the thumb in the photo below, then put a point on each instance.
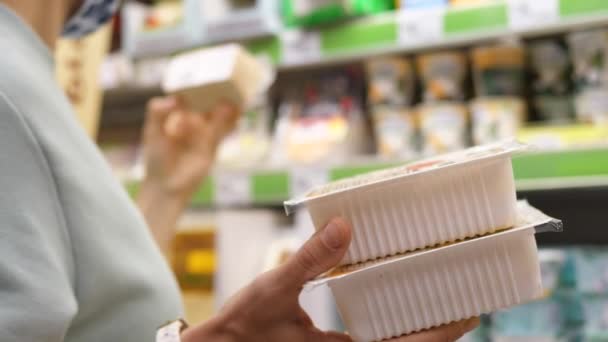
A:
(319, 254)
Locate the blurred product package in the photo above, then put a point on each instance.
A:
(498, 70)
(496, 118)
(161, 28)
(550, 64)
(443, 127)
(224, 20)
(390, 94)
(589, 53)
(442, 75)
(322, 119)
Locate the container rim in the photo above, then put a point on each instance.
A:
(462, 157)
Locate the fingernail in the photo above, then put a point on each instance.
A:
(333, 235)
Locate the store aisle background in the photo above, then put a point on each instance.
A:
(363, 85)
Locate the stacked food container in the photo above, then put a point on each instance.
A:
(433, 242)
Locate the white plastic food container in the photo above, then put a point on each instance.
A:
(426, 203)
(400, 295)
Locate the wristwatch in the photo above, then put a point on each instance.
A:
(171, 331)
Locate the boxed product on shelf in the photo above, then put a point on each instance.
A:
(551, 89)
(496, 118)
(425, 203)
(315, 12)
(442, 126)
(158, 30)
(321, 120)
(224, 20)
(550, 67)
(498, 70)
(394, 296)
(390, 92)
(205, 77)
(589, 54)
(442, 75)
(394, 131)
(592, 105)
(390, 81)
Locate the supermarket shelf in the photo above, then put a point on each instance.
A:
(419, 29)
(422, 29)
(535, 172)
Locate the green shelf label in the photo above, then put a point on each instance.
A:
(359, 35)
(561, 164)
(476, 19)
(578, 7)
(205, 194)
(270, 46)
(270, 187)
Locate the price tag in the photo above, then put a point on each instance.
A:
(304, 179)
(300, 46)
(420, 26)
(525, 14)
(232, 188)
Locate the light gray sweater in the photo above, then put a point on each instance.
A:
(77, 262)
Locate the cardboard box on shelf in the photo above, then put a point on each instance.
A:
(206, 77)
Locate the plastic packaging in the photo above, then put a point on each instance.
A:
(394, 131)
(592, 105)
(497, 118)
(589, 53)
(322, 119)
(443, 127)
(442, 75)
(498, 70)
(390, 81)
(420, 290)
(550, 66)
(430, 202)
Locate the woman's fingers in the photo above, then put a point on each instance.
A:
(158, 110)
(319, 254)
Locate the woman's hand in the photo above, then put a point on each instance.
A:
(179, 148)
(180, 145)
(268, 309)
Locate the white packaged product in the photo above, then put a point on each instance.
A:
(443, 127)
(401, 295)
(426, 203)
